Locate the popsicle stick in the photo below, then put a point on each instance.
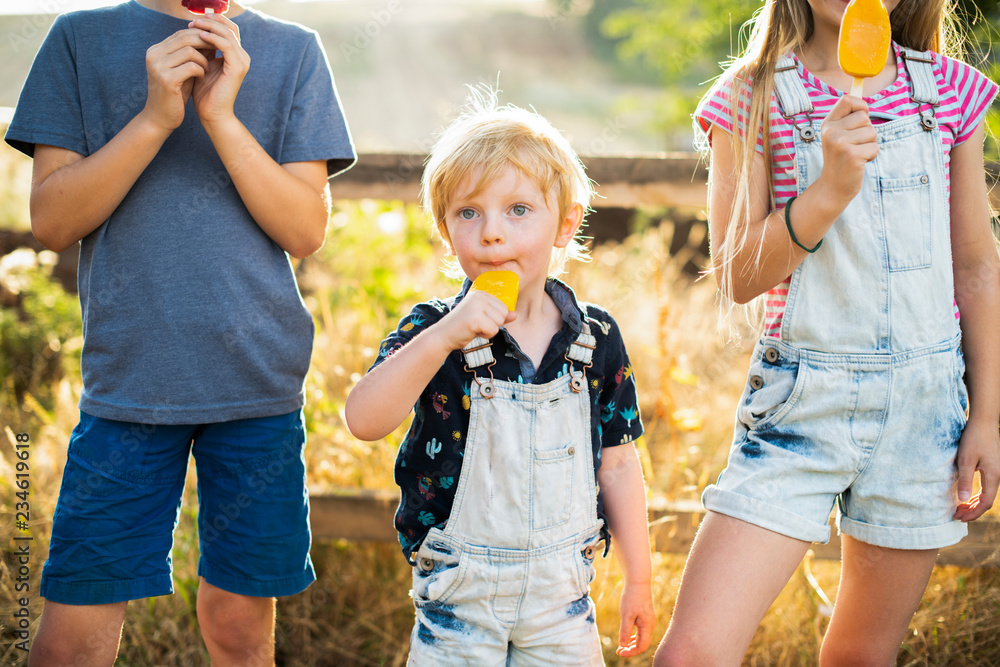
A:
(858, 88)
(209, 10)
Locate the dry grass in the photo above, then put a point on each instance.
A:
(358, 612)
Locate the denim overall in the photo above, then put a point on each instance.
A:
(506, 582)
(861, 399)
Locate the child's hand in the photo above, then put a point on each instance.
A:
(215, 92)
(979, 449)
(478, 314)
(849, 142)
(636, 611)
(171, 67)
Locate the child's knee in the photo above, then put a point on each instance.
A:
(851, 654)
(682, 652)
(236, 623)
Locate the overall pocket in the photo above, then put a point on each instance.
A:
(773, 385)
(552, 487)
(907, 202)
(585, 556)
(438, 573)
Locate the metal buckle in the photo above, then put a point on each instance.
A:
(486, 387)
(577, 383)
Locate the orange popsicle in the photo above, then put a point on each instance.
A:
(864, 41)
(501, 284)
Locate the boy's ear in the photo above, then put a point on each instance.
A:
(569, 225)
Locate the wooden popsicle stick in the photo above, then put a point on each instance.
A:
(858, 88)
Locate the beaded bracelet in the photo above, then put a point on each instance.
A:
(788, 223)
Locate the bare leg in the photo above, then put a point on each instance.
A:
(238, 629)
(879, 590)
(734, 572)
(78, 634)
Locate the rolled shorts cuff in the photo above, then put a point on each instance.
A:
(108, 591)
(895, 537)
(259, 586)
(765, 515)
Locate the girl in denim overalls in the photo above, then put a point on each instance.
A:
(866, 388)
(520, 456)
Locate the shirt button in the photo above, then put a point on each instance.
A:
(571, 451)
(924, 179)
(756, 382)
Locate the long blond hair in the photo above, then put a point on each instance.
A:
(778, 27)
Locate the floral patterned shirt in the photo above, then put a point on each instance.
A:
(429, 461)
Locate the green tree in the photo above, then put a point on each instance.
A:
(684, 42)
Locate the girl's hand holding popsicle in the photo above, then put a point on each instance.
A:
(865, 34)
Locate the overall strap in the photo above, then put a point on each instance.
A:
(479, 353)
(924, 89)
(583, 347)
(793, 99)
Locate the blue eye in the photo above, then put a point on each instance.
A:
(519, 209)
(467, 214)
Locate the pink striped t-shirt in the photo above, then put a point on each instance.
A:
(965, 95)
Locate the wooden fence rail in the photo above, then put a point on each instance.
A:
(364, 515)
(659, 179)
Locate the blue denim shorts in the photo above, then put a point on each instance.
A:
(120, 500)
(875, 434)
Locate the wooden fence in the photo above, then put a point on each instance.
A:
(364, 515)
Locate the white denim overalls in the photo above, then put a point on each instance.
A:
(862, 399)
(506, 582)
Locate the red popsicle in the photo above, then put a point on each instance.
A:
(206, 6)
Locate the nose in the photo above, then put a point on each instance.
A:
(492, 230)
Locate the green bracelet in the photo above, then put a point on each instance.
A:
(788, 223)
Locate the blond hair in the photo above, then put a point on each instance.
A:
(778, 27)
(492, 138)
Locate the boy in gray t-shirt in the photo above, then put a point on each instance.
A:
(188, 175)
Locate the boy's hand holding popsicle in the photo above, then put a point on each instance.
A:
(185, 64)
(215, 92)
(488, 305)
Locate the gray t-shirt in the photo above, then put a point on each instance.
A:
(191, 313)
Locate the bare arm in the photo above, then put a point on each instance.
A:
(72, 195)
(769, 255)
(383, 398)
(620, 478)
(977, 291)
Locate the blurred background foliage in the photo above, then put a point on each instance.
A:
(681, 43)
